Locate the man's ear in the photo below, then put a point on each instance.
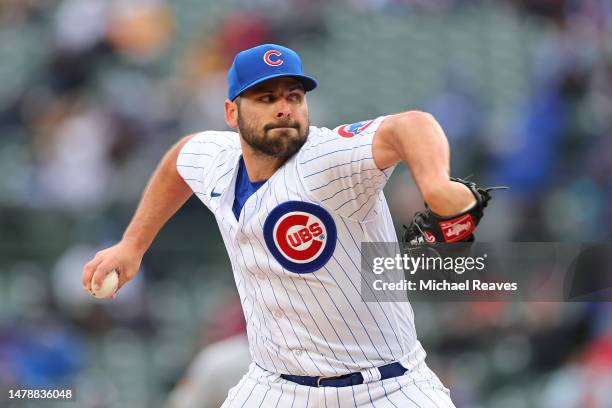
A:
(231, 113)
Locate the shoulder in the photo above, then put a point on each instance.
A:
(319, 138)
(344, 134)
(207, 150)
(318, 134)
(213, 141)
(331, 143)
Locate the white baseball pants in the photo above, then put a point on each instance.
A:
(419, 388)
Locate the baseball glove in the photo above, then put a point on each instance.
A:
(429, 228)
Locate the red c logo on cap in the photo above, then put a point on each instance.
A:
(269, 61)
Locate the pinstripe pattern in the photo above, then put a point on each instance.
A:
(310, 323)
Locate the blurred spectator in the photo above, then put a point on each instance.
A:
(219, 365)
(44, 356)
(140, 30)
(204, 68)
(74, 169)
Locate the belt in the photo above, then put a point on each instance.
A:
(346, 380)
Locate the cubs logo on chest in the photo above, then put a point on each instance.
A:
(301, 236)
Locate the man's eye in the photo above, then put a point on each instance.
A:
(266, 98)
(295, 97)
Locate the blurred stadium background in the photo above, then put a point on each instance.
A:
(94, 91)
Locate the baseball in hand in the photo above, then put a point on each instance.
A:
(109, 286)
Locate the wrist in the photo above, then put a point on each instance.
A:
(449, 198)
(135, 246)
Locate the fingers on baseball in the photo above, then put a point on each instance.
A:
(123, 279)
(89, 270)
(104, 268)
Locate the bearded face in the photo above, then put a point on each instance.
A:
(282, 138)
(273, 118)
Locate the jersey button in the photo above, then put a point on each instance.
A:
(243, 240)
(261, 276)
(278, 314)
(297, 352)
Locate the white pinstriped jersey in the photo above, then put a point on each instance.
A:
(295, 251)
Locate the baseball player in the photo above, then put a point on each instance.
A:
(293, 203)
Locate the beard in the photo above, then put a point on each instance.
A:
(272, 141)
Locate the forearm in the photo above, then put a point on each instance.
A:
(417, 139)
(164, 194)
(422, 145)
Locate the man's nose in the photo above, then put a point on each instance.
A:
(283, 109)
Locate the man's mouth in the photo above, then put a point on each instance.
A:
(282, 126)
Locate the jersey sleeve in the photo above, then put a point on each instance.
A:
(202, 162)
(337, 169)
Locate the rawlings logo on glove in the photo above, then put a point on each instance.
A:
(430, 228)
(457, 228)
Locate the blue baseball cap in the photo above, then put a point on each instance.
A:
(258, 64)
